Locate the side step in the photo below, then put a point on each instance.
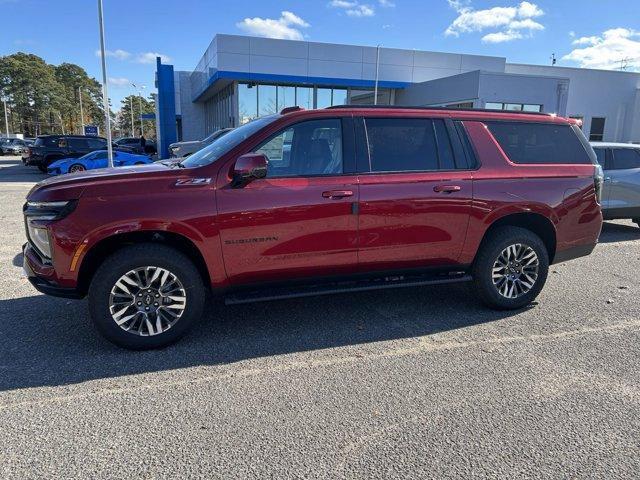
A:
(392, 281)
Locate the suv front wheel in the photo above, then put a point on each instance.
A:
(146, 296)
(511, 268)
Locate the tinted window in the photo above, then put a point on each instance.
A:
(539, 142)
(306, 148)
(48, 141)
(77, 143)
(445, 152)
(601, 156)
(97, 143)
(408, 144)
(624, 158)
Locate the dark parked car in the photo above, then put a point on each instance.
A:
(133, 145)
(316, 202)
(48, 148)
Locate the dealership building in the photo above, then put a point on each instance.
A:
(240, 78)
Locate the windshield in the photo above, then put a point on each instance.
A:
(223, 144)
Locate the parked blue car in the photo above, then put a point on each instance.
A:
(96, 159)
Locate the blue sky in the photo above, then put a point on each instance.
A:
(597, 34)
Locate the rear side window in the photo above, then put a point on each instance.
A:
(77, 143)
(539, 143)
(48, 141)
(408, 144)
(96, 143)
(625, 158)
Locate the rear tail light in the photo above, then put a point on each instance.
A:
(598, 179)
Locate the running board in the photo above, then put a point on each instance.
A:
(393, 281)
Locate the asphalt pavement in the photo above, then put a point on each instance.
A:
(408, 383)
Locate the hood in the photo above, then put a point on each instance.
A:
(58, 163)
(71, 186)
(192, 143)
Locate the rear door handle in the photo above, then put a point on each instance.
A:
(447, 188)
(337, 194)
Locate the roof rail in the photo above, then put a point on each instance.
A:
(286, 110)
(409, 107)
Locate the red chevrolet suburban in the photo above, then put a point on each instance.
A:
(316, 202)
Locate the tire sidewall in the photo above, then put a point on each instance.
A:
(128, 259)
(483, 268)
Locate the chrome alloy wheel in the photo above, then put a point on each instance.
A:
(76, 168)
(515, 271)
(147, 301)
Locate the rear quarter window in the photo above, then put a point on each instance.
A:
(539, 143)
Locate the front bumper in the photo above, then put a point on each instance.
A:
(37, 273)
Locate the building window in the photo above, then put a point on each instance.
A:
(514, 107)
(304, 97)
(267, 101)
(247, 102)
(596, 133)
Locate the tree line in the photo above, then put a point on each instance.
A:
(42, 98)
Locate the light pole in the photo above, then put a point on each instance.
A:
(133, 134)
(6, 117)
(105, 92)
(375, 89)
(81, 111)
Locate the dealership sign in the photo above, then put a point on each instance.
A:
(91, 130)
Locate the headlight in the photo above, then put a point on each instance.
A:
(39, 237)
(36, 212)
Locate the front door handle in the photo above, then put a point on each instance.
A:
(447, 188)
(337, 194)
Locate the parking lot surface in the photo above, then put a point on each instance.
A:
(419, 382)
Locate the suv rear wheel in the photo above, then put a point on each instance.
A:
(146, 296)
(511, 268)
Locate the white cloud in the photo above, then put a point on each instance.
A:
(150, 57)
(612, 49)
(511, 23)
(284, 27)
(119, 54)
(118, 81)
(354, 8)
(386, 3)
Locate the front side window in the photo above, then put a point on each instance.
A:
(305, 149)
(625, 158)
(408, 144)
(539, 143)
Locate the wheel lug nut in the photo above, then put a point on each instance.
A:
(139, 303)
(146, 308)
(155, 304)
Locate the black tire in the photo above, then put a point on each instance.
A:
(492, 247)
(42, 168)
(77, 167)
(136, 256)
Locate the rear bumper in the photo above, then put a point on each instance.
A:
(573, 252)
(37, 272)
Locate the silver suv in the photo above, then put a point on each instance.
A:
(621, 192)
(184, 149)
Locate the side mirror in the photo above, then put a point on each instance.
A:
(249, 167)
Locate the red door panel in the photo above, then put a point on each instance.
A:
(413, 219)
(282, 228)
